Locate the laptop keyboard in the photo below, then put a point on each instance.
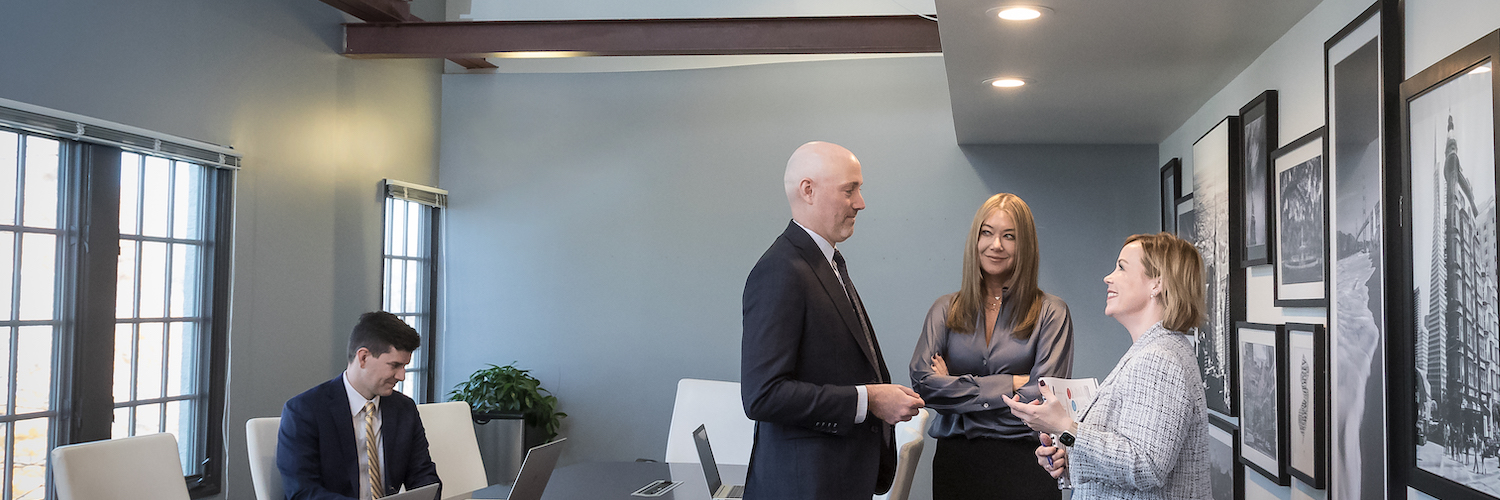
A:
(736, 492)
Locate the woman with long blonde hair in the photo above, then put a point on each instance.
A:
(995, 337)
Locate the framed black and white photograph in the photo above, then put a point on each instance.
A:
(1448, 115)
(1302, 233)
(1257, 139)
(1226, 477)
(1362, 69)
(1171, 190)
(1215, 234)
(1263, 415)
(1307, 399)
(1186, 220)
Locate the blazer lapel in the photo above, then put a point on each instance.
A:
(834, 288)
(343, 425)
(390, 421)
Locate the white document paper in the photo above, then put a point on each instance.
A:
(1076, 393)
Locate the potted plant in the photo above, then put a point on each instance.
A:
(512, 413)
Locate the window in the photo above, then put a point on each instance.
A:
(113, 294)
(31, 293)
(159, 298)
(409, 267)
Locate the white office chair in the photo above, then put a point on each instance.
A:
(260, 443)
(909, 444)
(133, 468)
(715, 405)
(455, 450)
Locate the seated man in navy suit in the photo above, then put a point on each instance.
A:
(354, 437)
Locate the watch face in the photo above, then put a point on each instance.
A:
(1066, 438)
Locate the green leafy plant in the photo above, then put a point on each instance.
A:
(507, 389)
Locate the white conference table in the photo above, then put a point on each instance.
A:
(616, 480)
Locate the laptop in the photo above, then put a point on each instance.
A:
(536, 469)
(428, 492)
(716, 486)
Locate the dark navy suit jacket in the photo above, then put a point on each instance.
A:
(317, 456)
(802, 353)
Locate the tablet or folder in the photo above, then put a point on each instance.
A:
(716, 486)
(535, 471)
(1076, 393)
(428, 492)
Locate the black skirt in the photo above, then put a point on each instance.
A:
(990, 469)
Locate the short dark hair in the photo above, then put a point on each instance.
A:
(379, 331)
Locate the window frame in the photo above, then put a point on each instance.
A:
(85, 401)
(435, 199)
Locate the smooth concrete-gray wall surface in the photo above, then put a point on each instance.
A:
(318, 132)
(601, 226)
(1293, 66)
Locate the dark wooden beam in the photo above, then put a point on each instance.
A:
(376, 11)
(645, 37)
(394, 11)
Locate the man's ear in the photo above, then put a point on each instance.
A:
(362, 355)
(805, 190)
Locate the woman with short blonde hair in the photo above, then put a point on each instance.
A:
(1146, 434)
(997, 336)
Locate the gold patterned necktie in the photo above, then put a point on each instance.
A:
(376, 489)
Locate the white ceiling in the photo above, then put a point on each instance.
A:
(1101, 71)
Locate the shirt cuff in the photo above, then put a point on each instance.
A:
(862, 405)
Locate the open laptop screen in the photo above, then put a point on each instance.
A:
(706, 457)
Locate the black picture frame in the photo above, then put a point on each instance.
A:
(1226, 477)
(1261, 350)
(1307, 402)
(1448, 113)
(1301, 204)
(1186, 218)
(1362, 71)
(1215, 165)
(1257, 138)
(1171, 190)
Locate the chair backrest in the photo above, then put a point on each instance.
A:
(455, 450)
(910, 437)
(260, 443)
(716, 405)
(142, 467)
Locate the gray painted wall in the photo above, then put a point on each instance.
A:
(601, 225)
(318, 133)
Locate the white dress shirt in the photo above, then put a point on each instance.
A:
(357, 410)
(863, 403)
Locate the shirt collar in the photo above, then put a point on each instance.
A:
(823, 244)
(356, 401)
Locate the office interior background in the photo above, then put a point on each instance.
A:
(600, 225)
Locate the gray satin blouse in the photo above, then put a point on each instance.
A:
(968, 400)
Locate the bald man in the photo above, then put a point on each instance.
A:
(812, 375)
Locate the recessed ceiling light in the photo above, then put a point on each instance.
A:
(1006, 82)
(1481, 69)
(1019, 13)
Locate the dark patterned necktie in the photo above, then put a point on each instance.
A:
(859, 308)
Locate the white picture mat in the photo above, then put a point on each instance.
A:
(1211, 216)
(1355, 358)
(1266, 338)
(1293, 158)
(1302, 442)
(1468, 100)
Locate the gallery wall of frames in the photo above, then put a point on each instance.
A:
(1383, 219)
